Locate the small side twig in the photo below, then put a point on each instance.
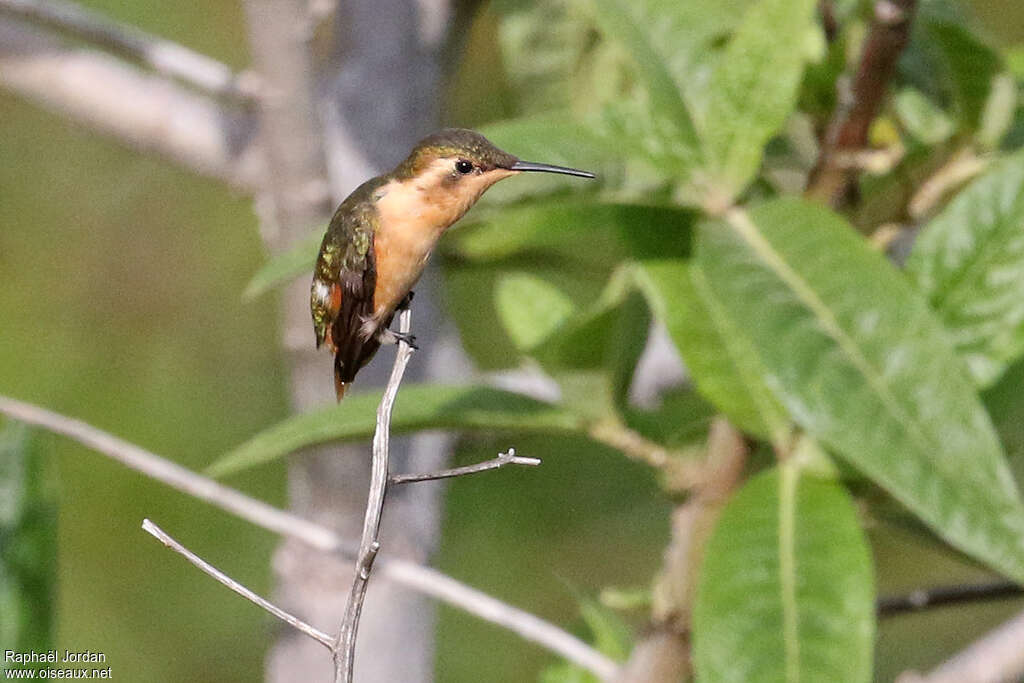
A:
(941, 596)
(207, 568)
(162, 56)
(503, 459)
(832, 180)
(344, 656)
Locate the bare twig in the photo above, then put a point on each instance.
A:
(832, 180)
(344, 656)
(995, 658)
(422, 579)
(503, 459)
(162, 56)
(144, 111)
(940, 596)
(961, 167)
(206, 567)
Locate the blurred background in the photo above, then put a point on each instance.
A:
(121, 305)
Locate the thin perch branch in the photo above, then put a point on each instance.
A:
(503, 459)
(162, 56)
(344, 656)
(425, 580)
(314, 633)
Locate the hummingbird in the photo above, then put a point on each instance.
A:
(380, 238)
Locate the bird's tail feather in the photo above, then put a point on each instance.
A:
(339, 384)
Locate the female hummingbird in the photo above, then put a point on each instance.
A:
(381, 236)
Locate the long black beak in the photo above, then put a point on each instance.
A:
(548, 168)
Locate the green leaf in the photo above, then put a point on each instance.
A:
(286, 266)
(713, 344)
(923, 119)
(628, 23)
(970, 66)
(785, 591)
(554, 139)
(998, 114)
(611, 634)
(542, 42)
(28, 546)
(860, 362)
(753, 91)
(541, 225)
(419, 406)
(1005, 403)
(626, 343)
(969, 262)
(530, 308)
(611, 637)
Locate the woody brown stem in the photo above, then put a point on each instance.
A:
(833, 180)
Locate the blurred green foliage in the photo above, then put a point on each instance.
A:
(28, 545)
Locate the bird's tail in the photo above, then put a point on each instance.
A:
(340, 385)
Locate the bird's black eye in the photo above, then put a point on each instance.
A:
(464, 167)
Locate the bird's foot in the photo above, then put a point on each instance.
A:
(405, 302)
(391, 337)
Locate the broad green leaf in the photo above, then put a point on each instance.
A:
(286, 266)
(785, 591)
(860, 362)
(713, 344)
(628, 23)
(419, 406)
(533, 225)
(753, 91)
(28, 547)
(530, 308)
(969, 263)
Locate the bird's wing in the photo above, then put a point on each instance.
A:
(343, 285)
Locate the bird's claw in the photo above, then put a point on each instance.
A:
(409, 339)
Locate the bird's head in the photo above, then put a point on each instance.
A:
(454, 166)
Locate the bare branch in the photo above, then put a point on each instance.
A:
(144, 111)
(832, 180)
(162, 56)
(206, 567)
(503, 459)
(995, 658)
(940, 596)
(425, 580)
(344, 657)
